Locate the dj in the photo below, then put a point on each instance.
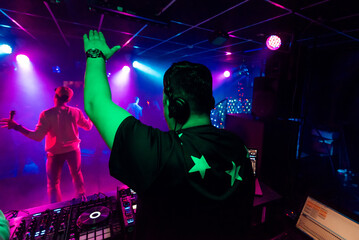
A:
(60, 126)
(194, 181)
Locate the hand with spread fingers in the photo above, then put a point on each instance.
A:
(8, 123)
(96, 40)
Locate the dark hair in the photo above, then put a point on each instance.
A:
(63, 98)
(193, 83)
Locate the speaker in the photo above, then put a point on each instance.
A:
(265, 97)
(276, 142)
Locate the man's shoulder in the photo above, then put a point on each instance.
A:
(74, 108)
(55, 110)
(210, 130)
(48, 111)
(130, 122)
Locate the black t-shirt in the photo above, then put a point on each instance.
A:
(196, 183)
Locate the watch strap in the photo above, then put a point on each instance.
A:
(95, 53)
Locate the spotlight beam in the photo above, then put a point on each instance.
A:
(313, 21)
(18, 24)
(257, 23)
(101, 21)
(215, 49)
(165, 8)
(57, 24)
(135, 35)
(198, 24)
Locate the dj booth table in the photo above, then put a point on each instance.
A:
(102, 216)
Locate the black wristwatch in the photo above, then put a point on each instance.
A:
(95, 53)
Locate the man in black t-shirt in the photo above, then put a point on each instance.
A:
(194, 181)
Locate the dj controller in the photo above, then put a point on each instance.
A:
(101, 217)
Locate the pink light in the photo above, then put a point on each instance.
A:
(121, 78)
(126, 69)
(228, 53)
(273, 42)
(22, 59)
(227, 74)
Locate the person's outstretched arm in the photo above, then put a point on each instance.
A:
(104, 113)
(38, 134)
(84, 123)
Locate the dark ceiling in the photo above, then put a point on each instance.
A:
(174, 30)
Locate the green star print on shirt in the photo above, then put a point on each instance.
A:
(200, 165)
(234, 173)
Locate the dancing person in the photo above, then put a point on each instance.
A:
(135, 109)
(59, 125)
(192, 182)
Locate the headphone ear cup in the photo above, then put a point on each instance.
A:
(213, 103)
(171, 108)
(179, 110)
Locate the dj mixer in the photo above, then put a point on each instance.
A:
(101, 217)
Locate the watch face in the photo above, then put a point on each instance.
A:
(94, 53)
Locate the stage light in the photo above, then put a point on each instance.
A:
(121, 78)
(23, 60)
(126, 69)
(273, 42)
(228, 53)
(5, 26)
(135, 64)
(144, 68)
(5, 49)
(56, 69)
(227, 73)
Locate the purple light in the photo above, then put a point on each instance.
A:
(228, 53)
(23, 60)
(273, 42)
(227, 73)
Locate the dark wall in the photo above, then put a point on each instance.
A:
(332, 96)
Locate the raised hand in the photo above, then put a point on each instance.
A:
(8, 123)
(96, 40)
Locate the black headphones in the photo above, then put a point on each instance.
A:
(178, 107)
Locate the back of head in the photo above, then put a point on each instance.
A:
(64, 94)
(191, 82)
(137, 100)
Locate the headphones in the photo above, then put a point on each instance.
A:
(178, 107)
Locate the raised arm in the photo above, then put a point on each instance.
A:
(4, 227)
(103, 112)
